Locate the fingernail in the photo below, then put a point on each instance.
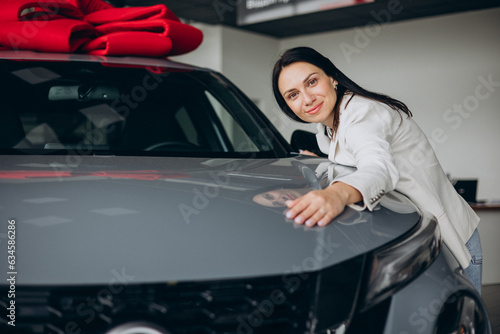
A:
(289, 214)
(298, 220)
(309, 222)
(321, 223)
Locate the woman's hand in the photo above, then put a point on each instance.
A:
(306, 152)
(321, 206)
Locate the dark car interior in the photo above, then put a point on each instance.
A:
(101, 109)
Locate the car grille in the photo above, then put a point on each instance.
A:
(289, 303)
(260, 305)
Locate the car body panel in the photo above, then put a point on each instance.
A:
(135, 61)
(171, 219)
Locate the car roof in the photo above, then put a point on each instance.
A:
(118, 60)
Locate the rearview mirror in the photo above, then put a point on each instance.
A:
(83, 93)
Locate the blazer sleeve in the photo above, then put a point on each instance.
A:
(368, 131)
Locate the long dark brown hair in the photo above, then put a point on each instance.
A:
(311, 56)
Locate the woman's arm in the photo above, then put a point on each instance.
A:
(369, 137)
(365, 136)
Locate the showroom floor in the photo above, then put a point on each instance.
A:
(491, 297)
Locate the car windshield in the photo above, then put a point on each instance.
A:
(84, 108)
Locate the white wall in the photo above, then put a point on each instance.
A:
(209, 53)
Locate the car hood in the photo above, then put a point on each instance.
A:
(98, 219)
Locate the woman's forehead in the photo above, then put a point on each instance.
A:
(296, 73)
(301, 66)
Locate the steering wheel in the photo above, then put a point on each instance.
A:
(176, 145)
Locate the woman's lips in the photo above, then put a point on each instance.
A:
(315, 109)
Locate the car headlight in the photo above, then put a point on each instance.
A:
(394, 266)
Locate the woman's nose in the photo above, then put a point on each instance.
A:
(309, 98)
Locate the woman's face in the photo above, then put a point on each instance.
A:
(309, 92)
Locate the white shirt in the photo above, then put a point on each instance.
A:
(392, 152)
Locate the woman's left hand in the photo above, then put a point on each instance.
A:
(306, 152)
(321, 206)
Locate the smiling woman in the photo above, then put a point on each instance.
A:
(368, 131)
(309, 92)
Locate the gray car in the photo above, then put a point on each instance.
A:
(144, 196)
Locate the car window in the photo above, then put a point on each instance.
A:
(89, 108)
(236, 134)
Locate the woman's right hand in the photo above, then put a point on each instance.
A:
(321, 206)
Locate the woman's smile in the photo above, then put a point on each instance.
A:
(315, 109)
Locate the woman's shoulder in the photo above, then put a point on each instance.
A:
(366, 112)
(352, 99)
(356, 106)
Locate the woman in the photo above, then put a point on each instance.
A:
(376, 134)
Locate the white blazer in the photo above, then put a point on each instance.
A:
(392, 152)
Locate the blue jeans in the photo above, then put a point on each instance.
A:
(474, 271)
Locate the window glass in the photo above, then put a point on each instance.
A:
(88, 108)
(239, 139)
(187, 126)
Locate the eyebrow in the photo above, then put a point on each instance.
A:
(305, 80)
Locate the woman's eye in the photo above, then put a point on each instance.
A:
(313, 81)
(292, 96)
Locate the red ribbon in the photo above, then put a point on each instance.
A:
(94, 27)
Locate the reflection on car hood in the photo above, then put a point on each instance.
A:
(152, 219)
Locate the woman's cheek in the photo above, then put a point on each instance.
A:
(295, 106)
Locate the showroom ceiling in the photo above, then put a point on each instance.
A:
(224, 12)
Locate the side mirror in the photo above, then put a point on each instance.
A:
(305, 140)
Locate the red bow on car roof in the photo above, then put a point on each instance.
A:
(94, 27)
